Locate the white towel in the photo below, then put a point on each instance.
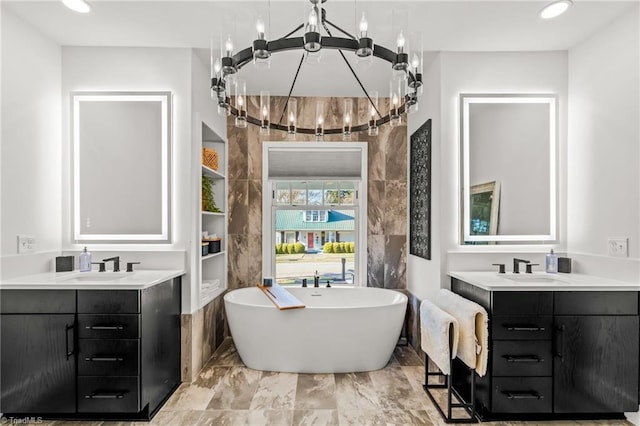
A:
(473, 347)
(434, 329)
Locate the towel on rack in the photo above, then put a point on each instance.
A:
(435, 326)
(473, 347)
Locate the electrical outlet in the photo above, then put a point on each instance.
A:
(618, 247)
(26, 243)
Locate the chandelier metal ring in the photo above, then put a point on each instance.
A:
(245, 56)
(397, 60)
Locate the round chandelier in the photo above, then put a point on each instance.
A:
(404, 86)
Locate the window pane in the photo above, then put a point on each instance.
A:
(347, 193)
(283, 193)
(347, 196)
(314, 193)
(283, 197)
(298, 193)
(321, 249)
(331, 193)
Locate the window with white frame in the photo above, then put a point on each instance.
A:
(314, 219)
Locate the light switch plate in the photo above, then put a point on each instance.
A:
(618, 247)
(26, 243)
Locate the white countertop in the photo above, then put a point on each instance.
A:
(75, 280)
(542, 281)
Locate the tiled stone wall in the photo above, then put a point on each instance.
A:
(387, 190)
(202, 333)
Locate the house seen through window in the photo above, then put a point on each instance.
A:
(315, 228)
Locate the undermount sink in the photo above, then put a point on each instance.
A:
(93, 277)
(536, 279)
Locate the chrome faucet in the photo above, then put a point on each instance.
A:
(353, 277)
(516, 264)
(116, 262)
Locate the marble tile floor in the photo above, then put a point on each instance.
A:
(228, 393)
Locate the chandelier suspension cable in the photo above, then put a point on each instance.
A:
(336, 27)
(351, 68)
(299, 27)
(291, 89)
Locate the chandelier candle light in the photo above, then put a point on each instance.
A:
(347, 119)
(405, 81)
(373, 127)
(260, 46)
(265, 112)
(319, 120)
(292, 113)
(241, 96)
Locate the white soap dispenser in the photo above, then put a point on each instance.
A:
(551, 263)
(85, 261)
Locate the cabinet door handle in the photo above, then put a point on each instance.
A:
(105, 327)
(560, 342)
(522, 395)
(104, 359)
(524, 328)
(69, 353)
(105, 395)
(523, 358)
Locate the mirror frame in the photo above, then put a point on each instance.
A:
(165, 100)
(467, 99)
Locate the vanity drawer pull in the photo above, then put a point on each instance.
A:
(100, 394)
(522, 395)
(105, 327)
(66, 340)
(104, 359)
(524, 328)
(105, 395)
(523, 358)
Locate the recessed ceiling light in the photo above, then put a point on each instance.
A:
(555, 8)
(79, 6)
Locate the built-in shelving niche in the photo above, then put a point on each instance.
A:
(213, 267)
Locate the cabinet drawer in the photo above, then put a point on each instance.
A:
(522, 358)
(108, 357)
(38, 301)
(108, 395)
(521, 395)
(109, 326)
(522, 302)
(527, 327)
(596, 303)
(108, 302)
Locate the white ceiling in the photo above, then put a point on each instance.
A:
(445, 26)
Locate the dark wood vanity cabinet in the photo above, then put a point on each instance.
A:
(556, 352)
(596, 358)
(109, 351)
(117, 351)
(37, 361)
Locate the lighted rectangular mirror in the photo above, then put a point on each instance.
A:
(508, 170)
(121, 167)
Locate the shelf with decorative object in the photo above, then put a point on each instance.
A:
(212, 228)
(212, 255)
(212, 173)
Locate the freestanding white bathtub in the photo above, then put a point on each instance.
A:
(340, 330)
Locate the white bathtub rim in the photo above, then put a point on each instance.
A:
(402, 300)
